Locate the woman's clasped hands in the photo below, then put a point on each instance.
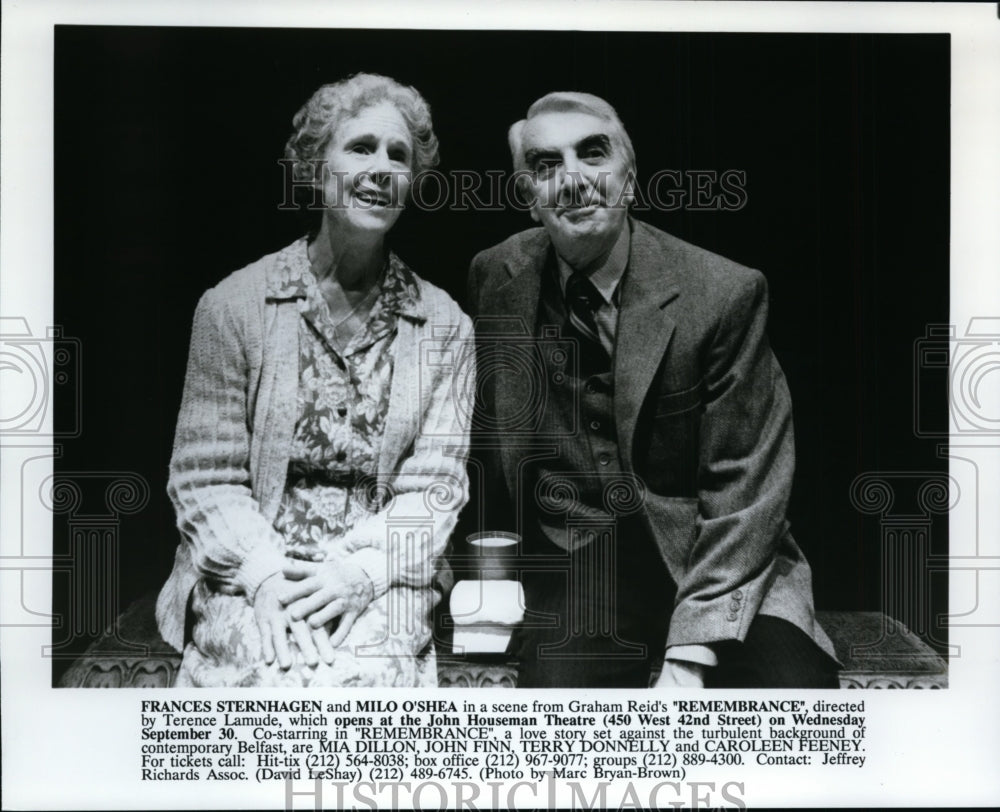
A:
(305, 600)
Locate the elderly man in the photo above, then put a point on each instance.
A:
(635, 429)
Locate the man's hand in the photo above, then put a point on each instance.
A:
(318, 593)
(275, 623)
(681, 674)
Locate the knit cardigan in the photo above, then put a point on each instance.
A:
(235, 429)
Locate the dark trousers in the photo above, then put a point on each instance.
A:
(599, 619)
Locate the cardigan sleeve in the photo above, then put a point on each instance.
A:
(400, 543)
(209, 482)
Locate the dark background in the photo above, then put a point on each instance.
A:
(166, 180)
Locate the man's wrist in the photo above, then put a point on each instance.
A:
(693, 653)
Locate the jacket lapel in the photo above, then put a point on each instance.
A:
(644, 329)
(514, 306)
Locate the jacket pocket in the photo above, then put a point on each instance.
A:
(684, 400)
(670, 456)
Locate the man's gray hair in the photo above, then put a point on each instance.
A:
(566, 101)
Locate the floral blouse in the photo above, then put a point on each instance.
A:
(343, 398)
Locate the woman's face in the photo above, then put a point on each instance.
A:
(368, 170)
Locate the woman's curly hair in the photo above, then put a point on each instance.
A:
(317, 120)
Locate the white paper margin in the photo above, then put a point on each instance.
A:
(75, 748)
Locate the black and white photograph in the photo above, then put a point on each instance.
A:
(622, 388)
(750, 254)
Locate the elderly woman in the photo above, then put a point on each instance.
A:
(319, 459)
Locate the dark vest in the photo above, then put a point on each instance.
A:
(573, 492)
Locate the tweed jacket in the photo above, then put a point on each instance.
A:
(703, 419)
(236, 424)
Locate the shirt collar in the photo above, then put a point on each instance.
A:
(292, 277)
(400, 291)
(607, 277)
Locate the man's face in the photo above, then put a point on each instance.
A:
(579, 179)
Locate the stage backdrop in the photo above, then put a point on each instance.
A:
(167, 143)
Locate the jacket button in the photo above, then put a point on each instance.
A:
(734, 606)
(731, 617)
(604, 459)
(594, 425)
(738, 594)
